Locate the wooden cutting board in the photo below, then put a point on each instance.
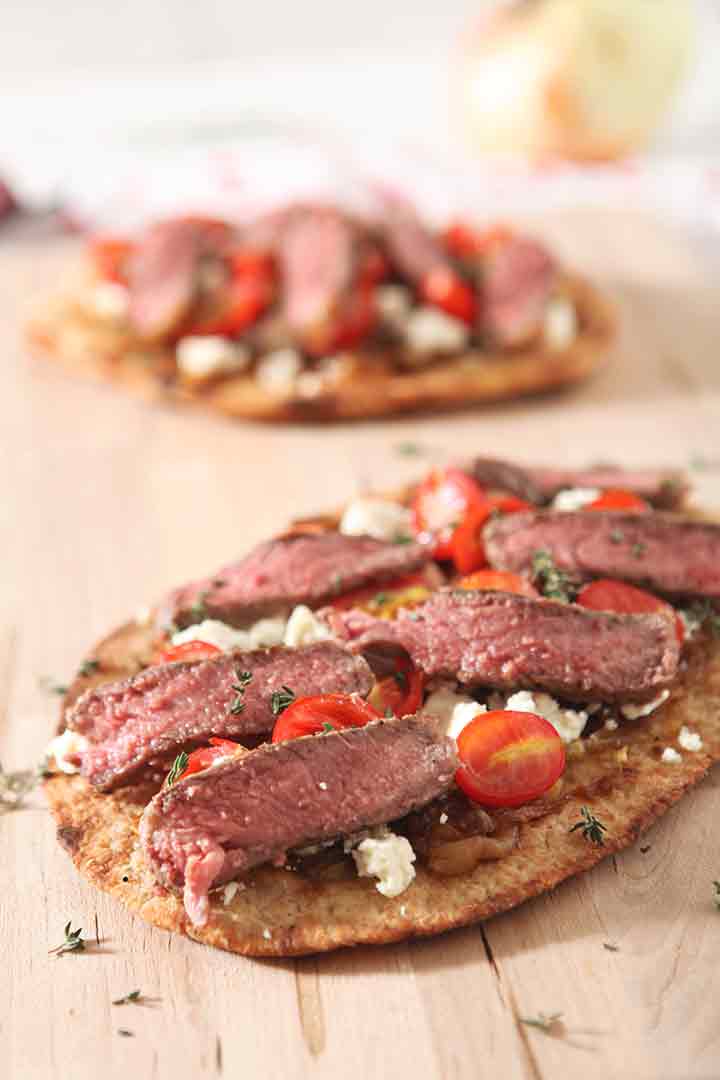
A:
(106, 502)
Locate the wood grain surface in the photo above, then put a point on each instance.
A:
(107, 502)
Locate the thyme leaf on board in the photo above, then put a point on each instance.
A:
(553, 582)
(88, 667)
(14, 786)
(591, 828)
(125, 1033)
(177, 768)
(129, 999)
(45, 682)
(280, 700)
(610, 947)
(543, 1021)
(74, 941)
(243, 680)
(409, 449)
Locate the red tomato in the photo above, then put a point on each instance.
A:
(618, 499)
(247, 294)
(463, 241)
(446, 289)
(400, 693)
(109, 255)
(508, 758)
(311, 715)
(466, 546)
(441, 502)
(607, 594)
(499, 581)
(206, 755)
(189, 650)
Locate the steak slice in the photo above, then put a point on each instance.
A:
(512, 642)
(664, 488)
(671, 555)
(296, 569)
(517, 279)
(165, 709)
(217, 824)
(412, 248)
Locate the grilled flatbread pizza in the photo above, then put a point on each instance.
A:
(310, 314)
(402, 718)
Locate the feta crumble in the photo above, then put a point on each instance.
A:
(611, 725)
(266, 934)
(323, 785)
(303, 628)
(454, 710)
(263, 633)
(202, 357)
(670, 756)
(109, 300)
(443, 819)
(387, 857)
(574, 498)
(230, 891)
(66, 746)
(394, 304)
(636, 712)
(278, 371)
(561, 324)
(689, 740)
(379, 518)
(569, 723)
(429, 330)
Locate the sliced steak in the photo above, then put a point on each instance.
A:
(213, 826)
(169, 708)
(517, 279)
(671, 555)
(493, 473)
(512, 642)
(412, 248)
(290, 570)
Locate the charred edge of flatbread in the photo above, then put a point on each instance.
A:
(621, 779)
(87, 347)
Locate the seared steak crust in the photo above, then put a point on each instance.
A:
(668, 554)
(509, 642)
(164, 709)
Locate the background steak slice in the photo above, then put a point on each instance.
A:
(512, 642)
(290, 570)
(174, 706)
(218, 824)
(670, 555)
(412, 248)
(517, 279)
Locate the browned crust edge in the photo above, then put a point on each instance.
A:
(84, 347)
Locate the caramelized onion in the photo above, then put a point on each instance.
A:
(464, 856)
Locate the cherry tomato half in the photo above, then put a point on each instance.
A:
(441, 502)
(312, 715)
(499, 581)
(207, 755)
(400, 693)
(618, 499)
(508, 758)
(463, 241)
(239, 303)
(189, 650)
(445, 288)
(109, 255)
(466, 545)
(607, 594)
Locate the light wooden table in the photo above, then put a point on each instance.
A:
(106, 502)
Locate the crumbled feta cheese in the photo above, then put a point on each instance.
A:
(635, 712)
(381, 518)
(230, 890)
(303, 628)
(66, 746)
(561, 324)
(278, 371)
(689, 740)
(389, 858)
(443, 819)
(322, 784)
(611, 725)
(569, 723)
(266, 934)
(444, 702)
(263, 633)
(403, 910)
(429, 330)
(574, 498)
(394, 303)
(671, 756)
(203, 357)
(109, 300)
(462, 714)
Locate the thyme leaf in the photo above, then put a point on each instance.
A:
(591, 828)
(244, 678)
(281, 699)
(74, 941)
(128, 999)
(543, 1021)
(88, 667)
(409, 449)
(327, 727)
(177, 768)
(553, 582)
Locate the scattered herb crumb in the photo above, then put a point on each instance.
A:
(129, 999)
(244, 678)
(281, 699)
(328, 727)
(74, 941)
(610, 947)
(644, 850)
(14, 786)
(177, 768)
(402, 540)
(88, 667)
(638, 550)
(409, 449)
(591, 828)
(544, 1021)
(617, 536)
(51, 687)
(125, 1033)
(198, 609)
(553, 582)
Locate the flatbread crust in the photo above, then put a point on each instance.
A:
(88, 347)
(618, 775)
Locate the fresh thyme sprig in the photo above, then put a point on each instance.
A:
(591, 828)
(553, 582)
(129, 999)
(243, 681)
(281, 699)
(328, 727)
(177, 768)
(74, 941)
(544, 1021)
(88, 667)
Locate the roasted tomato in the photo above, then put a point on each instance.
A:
(441, 503)
(312, 715)
(110, 255)
(237, 304)
(498, 581)
(463, 241)
(466, 546)
(189, 650)
(508, 758)
(607, 594)
(446, 289)
(401, 692)
(384, 601)
(619, 499)
(208, 755)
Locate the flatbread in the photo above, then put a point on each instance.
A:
(367, 388)
(618, 775)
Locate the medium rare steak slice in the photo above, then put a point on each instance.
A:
(517, 280)
(171, 707)
(217, 824)
(671, 555)
(512, 642)
(664, 488)
(413, 249)
(294, 569)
